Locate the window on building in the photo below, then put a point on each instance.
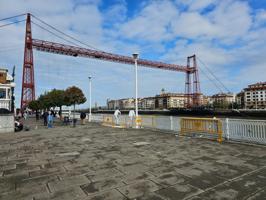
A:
(2, 93)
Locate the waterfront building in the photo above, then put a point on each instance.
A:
(255, 96)
(170, 100)
(147, 103)
(223, 100)
(6, 86)
(240, 99)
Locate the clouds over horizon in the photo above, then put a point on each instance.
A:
(229, 36)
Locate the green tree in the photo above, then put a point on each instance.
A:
(35, 105)
(45, 101)
(74, 96)
(57, 98)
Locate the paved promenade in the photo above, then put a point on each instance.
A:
(95, 162)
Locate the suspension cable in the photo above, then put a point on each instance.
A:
(12, 17)
(8, 24)
(54, 33)
(61, 32)
(216, 78)
(208, 77)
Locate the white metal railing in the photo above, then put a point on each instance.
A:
(233, 129)
(245, 130)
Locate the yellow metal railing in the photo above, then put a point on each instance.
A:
(205, 126)
(108, 120)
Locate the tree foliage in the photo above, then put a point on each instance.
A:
(74, 96)
(58, 98)
(35, 105)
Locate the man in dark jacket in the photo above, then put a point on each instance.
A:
(82, 117)
(45, 115)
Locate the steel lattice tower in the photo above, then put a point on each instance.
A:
(28, 86)
(192, 97)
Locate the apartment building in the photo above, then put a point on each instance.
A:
(170, 100)
(255, 96)
(223, 98)
(6, 85)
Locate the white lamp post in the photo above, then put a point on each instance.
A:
(135, 56)
(90, 98)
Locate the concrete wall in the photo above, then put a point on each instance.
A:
(7, 123)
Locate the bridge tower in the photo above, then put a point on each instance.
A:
(28, 86)
(192, 97)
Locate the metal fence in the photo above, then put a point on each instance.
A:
(245, 130)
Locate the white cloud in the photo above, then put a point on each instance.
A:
(152, 23)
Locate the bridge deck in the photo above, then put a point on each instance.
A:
(95, 162)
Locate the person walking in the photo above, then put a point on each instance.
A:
(25, 115)
(82, 117)
(117, 116)
(50, 120)
(45, 115)
(131, 116)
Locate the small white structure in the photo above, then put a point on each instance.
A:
(6, 84)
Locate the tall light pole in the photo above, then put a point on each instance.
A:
(90, 97)
(135, 56)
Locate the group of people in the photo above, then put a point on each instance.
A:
(48, 118)
(131, 116)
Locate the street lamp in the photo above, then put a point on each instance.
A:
(135, 56)
(90, 97)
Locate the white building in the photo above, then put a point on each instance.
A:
(255, 96)
(6, 84)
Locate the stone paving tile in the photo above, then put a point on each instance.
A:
(178, 191)
(103, 185)
(258, 195)
(240, 188)
(138, 189)
(71, 193)
(68, 182)
(102, 174)
(108, 195)
(15, 195)
(169, 179)
(46, 171)
(7, 185)
(150, 196)
(137, 176)
(8, 167)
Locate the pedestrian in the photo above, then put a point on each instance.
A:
(50, 119)
(82, 117)
(131, 116)
(53, 113)
(60, 114)
(117, 116)
(37, 115)
(25, 115)
(45, 115)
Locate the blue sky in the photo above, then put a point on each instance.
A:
(229, 36)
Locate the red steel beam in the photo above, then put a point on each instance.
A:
(57, 48)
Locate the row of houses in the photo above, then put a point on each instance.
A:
(165, 101)
(252, 97)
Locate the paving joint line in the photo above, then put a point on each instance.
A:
(49, 189)
(254, 193)
(230, 180)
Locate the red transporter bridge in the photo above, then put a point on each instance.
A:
(192, 91)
